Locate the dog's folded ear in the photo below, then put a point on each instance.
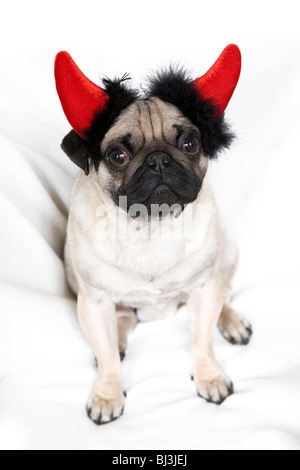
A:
(77, 150)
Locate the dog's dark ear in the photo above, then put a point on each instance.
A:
(77, 150)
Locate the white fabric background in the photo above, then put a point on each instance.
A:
(46, 366)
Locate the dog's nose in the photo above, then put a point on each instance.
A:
(158, 161)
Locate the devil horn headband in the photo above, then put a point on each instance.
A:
(218, 84)
(81, 98)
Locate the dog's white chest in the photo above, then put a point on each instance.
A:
(152, 275)
(151, 268)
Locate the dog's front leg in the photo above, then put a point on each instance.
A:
(98, 320)
(205, 304)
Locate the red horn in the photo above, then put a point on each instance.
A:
(218, 84)
(79, 97)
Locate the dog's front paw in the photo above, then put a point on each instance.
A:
(235, 329)
(105, 406)
(213, 385)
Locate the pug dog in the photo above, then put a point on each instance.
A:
(144, 160)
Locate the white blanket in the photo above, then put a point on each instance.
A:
(46, 366)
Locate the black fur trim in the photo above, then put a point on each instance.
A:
(120, 97)
(176, 87)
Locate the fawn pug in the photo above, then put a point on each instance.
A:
(144, 160)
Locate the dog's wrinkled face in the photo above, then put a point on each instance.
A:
(152, 151)
(152, 155)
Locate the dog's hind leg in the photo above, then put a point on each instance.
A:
(234, 328)
(127, 321)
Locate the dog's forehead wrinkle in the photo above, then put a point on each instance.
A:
(146, 121)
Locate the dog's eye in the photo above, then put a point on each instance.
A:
(118, 158)
(191, 145)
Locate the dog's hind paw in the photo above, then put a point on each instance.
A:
(235, 329)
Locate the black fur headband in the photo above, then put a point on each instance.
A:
(203, 101)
